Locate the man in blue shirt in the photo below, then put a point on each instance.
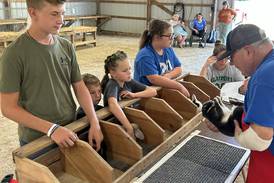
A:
(252, 53)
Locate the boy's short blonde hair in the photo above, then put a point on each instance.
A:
(39, 3)
(90, 79)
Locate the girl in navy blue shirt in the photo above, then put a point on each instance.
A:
(118, 84)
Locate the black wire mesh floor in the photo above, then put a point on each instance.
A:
(201, 160)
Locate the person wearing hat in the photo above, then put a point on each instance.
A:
(251, 51)
(220, 72)
(225, 18)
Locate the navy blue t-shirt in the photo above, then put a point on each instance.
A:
(149, 62)
(259, 98)
(113, 89)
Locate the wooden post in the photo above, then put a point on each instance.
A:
(98, 12)
(214, 14)
(148, 12)
(7, 10)
(160, 5)
(98, 7)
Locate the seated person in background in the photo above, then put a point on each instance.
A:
(156, 62)
(120, 85)
(180, 33)
(94, 87)
(199, 28)
(220, 72)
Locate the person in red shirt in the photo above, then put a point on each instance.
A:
(225, 16)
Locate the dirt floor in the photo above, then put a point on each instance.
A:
(91, 60)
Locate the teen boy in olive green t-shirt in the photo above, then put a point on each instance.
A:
(36, 74)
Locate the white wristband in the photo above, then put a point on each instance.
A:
(50, 130)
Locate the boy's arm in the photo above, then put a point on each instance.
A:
(117, 111)
(10, 109)
(86, 103)
(167, 83)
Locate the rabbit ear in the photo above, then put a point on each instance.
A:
(194, 98)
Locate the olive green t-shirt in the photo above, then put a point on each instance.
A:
(42, 74)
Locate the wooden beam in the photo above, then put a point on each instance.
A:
(117, 33)
(81, 159)
(100, 22)
(153, 133)
(158, 152)
(162, 113)
(148, 12)
(76, 126)
(193, 89)
(119, 144)
(179, 103)
(214, 14)
(210, 89)
(189, 4)
(28, 171)
(160, 5)
(123, 2)
(7, 9)
(128, 17)
(98, 7)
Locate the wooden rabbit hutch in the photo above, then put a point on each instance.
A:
(165, 121)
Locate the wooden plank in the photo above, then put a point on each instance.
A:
(128, 17)
(100, 22)
(193, 89)
(67, 178)
(83, 30)
(84, 162)
(49, 157)
(78, 29)
(203, 84)
(121, 146)
(160, 5)
(144, 2)
(79, 43)
(12, 21)
(9, 36)
(31, 172)
(98, 7)
(57, 168)
(76, 126)
(162, 113)
(160, 150)
(149, 3)
(118, 33)
(153, 133)
(181, 104)
(123, 2)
